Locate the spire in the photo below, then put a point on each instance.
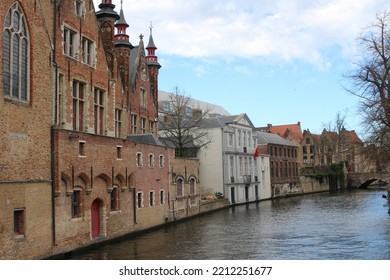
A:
(151, 58)
(107, 10)
(121, 38)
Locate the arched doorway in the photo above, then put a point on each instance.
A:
(96, 218)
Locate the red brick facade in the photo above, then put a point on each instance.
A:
(69, 174)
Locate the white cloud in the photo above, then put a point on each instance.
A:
(281, 30)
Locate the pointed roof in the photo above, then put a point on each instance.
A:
(222, 121)
(107, 10)
(121, 20)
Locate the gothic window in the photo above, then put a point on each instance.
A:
(16, 55)
(87, 51)
(99, 111)
(179, 187)
(76, 203)
(143, 98)
(70, 42)
(134, 124)
(114, 199)
(118, 122)
(192, 186)
(78, 105)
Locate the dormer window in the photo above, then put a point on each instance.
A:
(80, 9)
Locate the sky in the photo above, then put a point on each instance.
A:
(278, 61)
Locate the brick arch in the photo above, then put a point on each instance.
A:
(192, 176)
(132, 180)
(81, 180)
(102, 180)
(65, 182)
(119, 180)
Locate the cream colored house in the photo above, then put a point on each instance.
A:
(227, 163)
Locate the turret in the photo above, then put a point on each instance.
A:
(107, 17)
(153, 67)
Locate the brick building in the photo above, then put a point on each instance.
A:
(284, 164)
(80, 160)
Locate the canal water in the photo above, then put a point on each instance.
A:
(347, 225)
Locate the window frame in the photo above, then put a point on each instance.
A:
(16, 78)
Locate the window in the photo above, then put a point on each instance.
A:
(133, 124)
(305, 160)
(60, 106)
(143, 98)
(19, 226)
(119, 152)
(87, 51)
(139, 159)
(179, 187)
(16, 55)
(151, 160)
(161, 161)
(162, 197)
(143, 125)
(240, 166)
(82, 148)
(78, 105)
(151, 127)
(230, 139)
(188, 111)
(76, 203)
(70, 42)
(80, 10)
(307, 140)
(140, 200)
(192, 186)
(99, 111)
(118, 123)
(239, 137)
(151, 198)
(304, 149)
(114, 199)
(231, 166)
(166, 107)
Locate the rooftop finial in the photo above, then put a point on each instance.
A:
(151, 27)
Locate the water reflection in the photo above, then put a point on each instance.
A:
(350, 225)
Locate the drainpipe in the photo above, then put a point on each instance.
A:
(52, 133)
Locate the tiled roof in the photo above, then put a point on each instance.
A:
(270, 138)
(149, 139)
(289, 130)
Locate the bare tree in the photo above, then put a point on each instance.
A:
(371, 78)
(333, 135)
(181, 125)
(370, 82)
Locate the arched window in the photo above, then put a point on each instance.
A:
(114, 198)
(192, 186)
(16, 54)
(76, 202)
(179, 187)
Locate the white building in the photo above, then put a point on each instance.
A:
(227, 163)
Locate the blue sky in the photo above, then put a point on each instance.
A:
(279, 61)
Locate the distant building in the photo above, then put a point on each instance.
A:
(284, 165)
(227, 163)
(213, 110)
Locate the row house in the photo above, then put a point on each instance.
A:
(80, 159)
(284, 164)
(227, 163)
